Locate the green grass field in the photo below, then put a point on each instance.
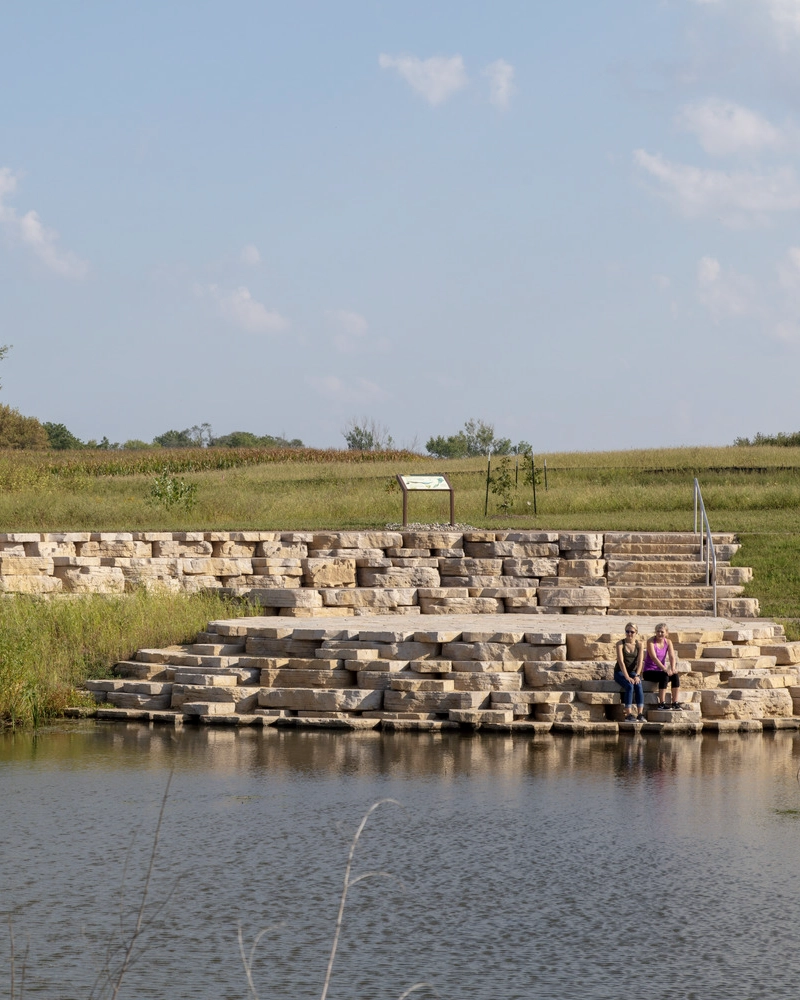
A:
(45, 650)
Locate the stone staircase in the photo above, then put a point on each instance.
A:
(649, 572)
(474, 671)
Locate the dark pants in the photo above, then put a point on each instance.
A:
(629, 690)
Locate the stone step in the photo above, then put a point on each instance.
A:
(216, 649)
(135, 670)
(128, 699)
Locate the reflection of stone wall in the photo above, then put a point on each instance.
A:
(344, 573)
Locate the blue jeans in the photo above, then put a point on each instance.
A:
(629, 690)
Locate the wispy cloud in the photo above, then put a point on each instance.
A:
(435, 79)
(238, 307)
(352, 328)
(723, 128)
(737, 198)
(785, 15)
(29, 231)
(358, 390)
(724, 294)
(250, 255)
(501, 82)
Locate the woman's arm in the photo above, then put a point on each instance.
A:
(621, 659)
(673, 659)
(640, 658)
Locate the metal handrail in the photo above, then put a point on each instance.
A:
(706, 541)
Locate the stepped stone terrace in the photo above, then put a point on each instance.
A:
(334, 574)
(524, 673)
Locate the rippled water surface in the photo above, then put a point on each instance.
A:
(520, 868)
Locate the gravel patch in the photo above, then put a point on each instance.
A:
(417, 526)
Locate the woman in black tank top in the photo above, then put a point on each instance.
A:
(628, 673)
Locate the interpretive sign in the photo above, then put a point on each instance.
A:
(429, 484)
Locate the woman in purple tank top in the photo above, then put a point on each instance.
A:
(661, 666)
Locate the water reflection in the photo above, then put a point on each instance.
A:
(524, 862)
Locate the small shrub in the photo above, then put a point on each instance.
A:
(501, 483)
(169, 491)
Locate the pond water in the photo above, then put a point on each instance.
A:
(520, 868)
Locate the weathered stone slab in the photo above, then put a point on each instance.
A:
(337, 572)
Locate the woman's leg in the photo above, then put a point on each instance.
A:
(627, 690)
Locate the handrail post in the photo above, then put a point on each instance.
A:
(707, 540)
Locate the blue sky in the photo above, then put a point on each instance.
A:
(579, 222)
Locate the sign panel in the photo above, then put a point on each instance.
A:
(425, 483)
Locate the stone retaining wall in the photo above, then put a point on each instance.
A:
(336, 573)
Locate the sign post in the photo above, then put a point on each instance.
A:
(428, 484)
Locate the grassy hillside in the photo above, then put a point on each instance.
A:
(47, 648)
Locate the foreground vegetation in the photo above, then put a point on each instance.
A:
(48, 648)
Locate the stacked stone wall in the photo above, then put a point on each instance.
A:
(346, 573)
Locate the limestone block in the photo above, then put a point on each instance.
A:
(592, 646)
(354, 540)
(585, 541)
(432, 539)
(48, 549)
(291, 598)
(512, 550)
(737, 607)
(572, 712)
(548, 654)
(91, 580)
(530, 567)
(14, 548)
(25, 566)
(584, 569)
(114, 545)
(275, 566)
(515, 651)
(231, 549)
(368, 597)
(487, 715)
(373, 680)
(547, 639)
(534, 697)
(124, 699)
(433, 701)
(329, 700)
(30, 585)
(399, 682)
(276, 582)
(378, 665)
(301, 663)
(470, 567)
(785, 654)
(531, 536)
(473, 582)
(440, 592)
(461, 606)
(216, 567)
(290, 677)
(208, 708)
(197, 584)
(277, 549)
(417, 576)
(429, 666)
(337, 572)
(566, 676)
(597, 697)
(746, 704)
(486, 666)
(400, 553)
(173, 549)
(759, 681)
(504, 681)
(574, 597)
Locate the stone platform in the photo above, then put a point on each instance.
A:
(525, 674)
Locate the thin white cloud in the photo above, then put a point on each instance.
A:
(724, 294)
(29, 231)
(789, 271)
(238, 307)
(436, 79)
(723, 128)
(358, 390)
(352, 328)
(785, 15)
(737, 198)
(250, 255)
(501, 82)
